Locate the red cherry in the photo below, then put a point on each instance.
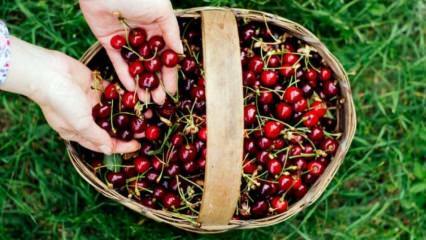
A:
(295, 150)
(177, 140)
(250, 113)
(137, 36)
(325, 74)
(198, 93)
(187, 153)
(319, 108)
(256, 64)
(300, 163)
(315, 168)
(171, 201)
(145, 51)
(274, 61)
(142, 164)
(169, 58)
(153, 65)
(311, 77)
(310, 119)
(316, 134)
(156, 43)
(117, 41)
(279, 204)
(138, 125)
(149, 81)
(101, 111)
(293, 94)
(266, 97)
(289, 59)
(201, 163)
(297, 181)
(274, 166)
(272, 129)
(287, 71)
(300, 105)
(156, 163)
(129, 100)
(263, 157)
(299, 191)
(329, 145)
(152, 133)
(278, 144)
(249, 167)
(250, 145)
(111, 92)
(135, 68)
(269, 78)
(285, 182)
(264, 143)
(202, 134)
(283, 111)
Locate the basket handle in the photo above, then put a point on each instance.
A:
(225, 117)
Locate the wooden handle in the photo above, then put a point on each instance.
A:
(225, 117)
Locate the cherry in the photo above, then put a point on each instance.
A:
(293, 94)
(307, 89)
(156, 163)
(152, 133)
(149, 81)
(289, 59)
(129, 171)
(299, 191)
(249, 167)
(256, 64)
(117, 179)
(171, 201)
(285, 182)
(173, 170)
(274, 166)
(124, 135)
(167, 110)
(152, 176)
(328, 123)
(329, 145)
(283, 111)
(310, 119)
(295, 150)
(137, 125)
(287, 71)
(278, 144)
(266, 97)
(121, 121)
(148, 202)
(269, 78)
(137, 36)
(300, 105)
(169, 58)
(188, 65)
(249, 78)
(159, 192)
(247, 34)
(177, 139)
(135, 68)
(190, 167)
(105, 124)
(153, 65)
(156, 43)
(311, 77)
(300, 163)
(250, 145)
(201, 163)
(198, 93)
(250, 113)
(264, 143)
(274, 61)
(325, 74)
(146, 148)
(268, 189)
(315, 168)
(128, 55)
(309, 178)
(117, 41)
(297, 181)
(202, 134)
(142, 164)
(319, 108)
(145, 51)
(259, 208)
(330, 88)
(263, 157)
(187, 153)
(129, 100)
(111, 92)
(279, 204)
(101, 111)
(272, 129)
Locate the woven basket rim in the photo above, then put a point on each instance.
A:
(315, 190)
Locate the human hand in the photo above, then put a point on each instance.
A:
(62, 87)
(155, 16)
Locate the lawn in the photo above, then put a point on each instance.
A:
(379, 192)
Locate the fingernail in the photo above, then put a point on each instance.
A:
(180, 48)
(105, 149)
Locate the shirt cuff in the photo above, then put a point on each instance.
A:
(4, 51)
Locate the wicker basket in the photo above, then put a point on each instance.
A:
(223, 174)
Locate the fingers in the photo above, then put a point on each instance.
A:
(121, 68)
(170, 29)
(159, 95)
(125, 147)
(144, 95)
(170, 79)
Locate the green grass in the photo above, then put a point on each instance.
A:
(379, 192)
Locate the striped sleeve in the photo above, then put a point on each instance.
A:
(4, 52)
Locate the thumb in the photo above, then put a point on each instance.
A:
(170, 30)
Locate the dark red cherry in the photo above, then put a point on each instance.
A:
(117, 41)
(177, 139)
(188, 65)
(300, 105)
(138, 125)
(287, 71)
(157, 164)
(105, 124)
(300, 163)
(152, 176)
(135, 68)
(268, 189)
(266, 97)
(171, 201)
(156, 43)
(269, 78)
(142, 164)
(330, 88)
(249, 78)
(149, 81)
(259, 208)
(264, 143)
(311, 77)
(290, 59)
(316, 134)
(325, 74)
(121, 121)
(198, 93)
(148, 202)
(153, 65)
(283, 111)
(293, 94)
(279, 205)
(319, 108)
(152, 133)
(129, 171)
(173, 170)
(307, 89)
(250, 145)
(278, 144)
(145, 51)
(124, 135)
(101, 111)
(274, 61)
(299, 191)
(159, 192)
(256, 64)
(201, 163)
(315, 168)
(169, 58)
(285, 182)
(295, 150)
(250, 113)
(117, 179)
(329, 145)
(128, 55)
(190, 167)
(263, 157)
(272, 129)
(137, 36)
(187, 153)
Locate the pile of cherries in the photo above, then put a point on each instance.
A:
(290, 110)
